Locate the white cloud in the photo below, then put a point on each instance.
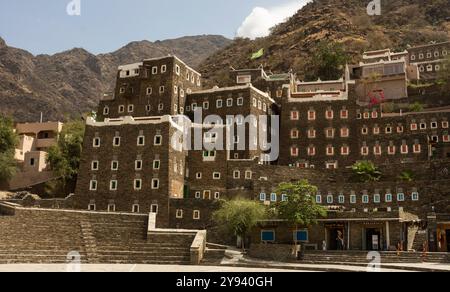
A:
(259, 22)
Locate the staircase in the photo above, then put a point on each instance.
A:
(51, 236)
(360, 257)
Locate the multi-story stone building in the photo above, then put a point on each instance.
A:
(429, 58)
(132, 162)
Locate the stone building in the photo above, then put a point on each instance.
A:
(31, 153)
(429, 58)
(132, 162)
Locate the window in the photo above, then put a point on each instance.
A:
(236, 174)
(294, 116)
(161, 89)
(138, 165)
(294, 151)
(377, 150)
(311, 115)
(94, 164)
(113, 185)
(301, 236)
(388, 130)
(105, 110)
(135, 208)
(93, 185)
(163, 69)
(177, 69)
(155, 184)
(318, 199)
(445, 125)
(255, 103)
(154, 70)
(111, 208)
(341, 199)
(404, 149)
(294, 134)
(157, 140)
(311, 151)
(273, 197)
(141, 141)
(116, 141)
(196, 215)
(156, 164)
(329, 114)
(434, 125)
(148, 108)
(388, 198)
(137, 184)
(262, 197)
(365, 199)
(344, 133)
(365, 130)
(240, 101)
(198, 195)
(423, 126)
(364, 151)
(344, 114)
(399, 129)
(330, 199)
(219, 103)
(179, 214)
(267, 236)
(241, 79)
(345, 150)
(216, 175)
(377, 198)
(374, 114)
(121, 109)
(209, 155)
(130, 108)
(417, 148)
(205, 105)
(248, 174)
(376, 130)
(96, 142)
(329, 133)
(154, 209)
(229, 102)
(217, 195)
(311, 133)
(115, 165)
(160, 106)
(391, 150)
(415, 196)
(366, 115)
(352, 199)
(330, 150)
(400, 197)
(446, 138)
(198, 175)
(331, 165)
(92, 207)
(259, 104)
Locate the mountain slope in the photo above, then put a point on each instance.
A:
(292, 43)
(68, 84)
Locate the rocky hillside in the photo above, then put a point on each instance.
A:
(70, 83)
(291, 44)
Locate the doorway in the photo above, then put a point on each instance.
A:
(373, 239)
(447, 237)
(333, 236)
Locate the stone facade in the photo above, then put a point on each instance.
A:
(324, 129)
(429, 58)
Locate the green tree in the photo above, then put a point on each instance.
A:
(407, 176)
(8, 143)
(300, 208)
(64, 158)
(328, 62)
(416, 107)
(366, 171)
(239, 216)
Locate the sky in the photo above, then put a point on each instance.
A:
(101, 26)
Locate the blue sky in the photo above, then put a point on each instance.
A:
(43, 26)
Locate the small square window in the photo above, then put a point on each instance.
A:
(137, 184)
(141, 141)
(114, 165)
(163, 68)
(96, 142)
(93, 185)
(155, 184)
(121, 109)
(240, 101)
(196, 215)
(388, 198)
(179, 214)
(198, 175)
(92, 207)
(216, 175)
(400, 197)
(158, 140)
(130, 108)
(94, 165)
(262, 197)
(156, 164)
(135, 208)
(116, 141)
(113, 185)
(138, 165)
